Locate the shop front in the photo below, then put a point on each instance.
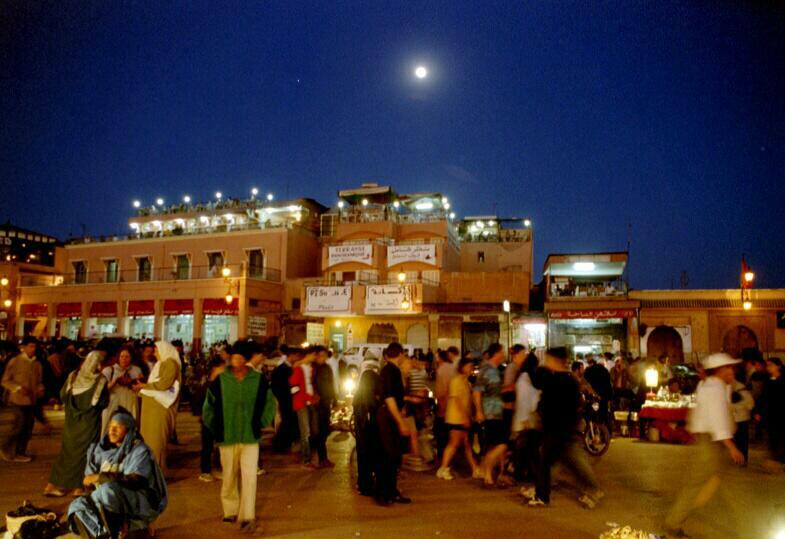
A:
(102, 321)
(590, 331)
(179, 320)
(69, 320)
(141, 319)
(220, 320)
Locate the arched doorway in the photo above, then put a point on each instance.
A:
(417, 336)
(665, 341)
(737, 339)
(382, 334)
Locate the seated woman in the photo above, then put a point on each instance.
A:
(130, 491)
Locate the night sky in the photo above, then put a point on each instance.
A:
(663, 122)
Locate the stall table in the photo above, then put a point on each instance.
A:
(663, 419)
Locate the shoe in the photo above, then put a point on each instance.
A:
(529, 493)
(444, 473)
(230, 520)
(261, 471)
(587, 501)
(536, 502)
(327, 463)
(22, 459)
(400, 498)
(206, 477)
(248, 526)
(53, 492)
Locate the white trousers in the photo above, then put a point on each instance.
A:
(238, 491)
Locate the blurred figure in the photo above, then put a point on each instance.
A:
(23, 384)
(287, 429)
(304, 403)
(489, 409)
(772, 413)
(458, 420)
(446, 369)
(121, 377)
(365, 404)
(526, 425)
(742, 405)
(325, 391)
(711, 423)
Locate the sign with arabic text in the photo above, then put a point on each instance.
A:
(328, 299)
(257, 326)
(339, 254)
(595, 314)
(398, 254)
(387, 299)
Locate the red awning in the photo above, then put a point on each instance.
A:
(103, 309)
(178, 306)
(34, 310)
(219, 306)
(69, 310)
(595, 314)
(141, 307)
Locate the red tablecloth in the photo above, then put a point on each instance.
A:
(664, 414)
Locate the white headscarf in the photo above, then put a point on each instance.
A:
(165, 351)
(88, 373)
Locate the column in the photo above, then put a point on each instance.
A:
(242, 306)
(84, 320)
(121, 315)
(433, 332)
(158, 321)
(51, 319)
(196, 346)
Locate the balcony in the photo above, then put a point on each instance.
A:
(136, 275)
(578, 290)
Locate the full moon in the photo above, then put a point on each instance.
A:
(420, 72)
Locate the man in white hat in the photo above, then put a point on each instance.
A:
(711, 423)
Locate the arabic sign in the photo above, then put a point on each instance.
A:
(314, 333)
(338, 254)
(328, 299)
(387, 299)
(257, 326)
(398, 254)
(602, 314)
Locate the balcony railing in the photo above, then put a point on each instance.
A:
(191, 231)
(136, 275)
(598, 289)
(368, 281)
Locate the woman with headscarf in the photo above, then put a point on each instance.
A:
(159, 400)
(129, 488)
(84, 396)
(121, 377)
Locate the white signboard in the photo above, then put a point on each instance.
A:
(382, 299)
(314, 333)
(338, 254)
(257, 326)
(328, 299)
(398, 254)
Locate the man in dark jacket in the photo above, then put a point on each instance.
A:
(365, 404)
(325, 390)
(287, 430)
(599, 378)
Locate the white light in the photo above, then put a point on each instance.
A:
(137, 204)
(780, 534)
(486, 232)
(7, 303)
(229, 299)
(491, 223)
(444, 200)
(219, 195)
(652, 378)
(583, 266)
(159, 201)
(420, 72)
(747, 305)
(293, 208)
(254, 191)
(527, 223)
(452, 215)
(4, 281)
(396, 204)
(340, 204)
(204, 219)
(480, 225)
(365, 202)
(226, 272)
(401, 276)
(582, 348)
(405, 305)
(424, 206)
(506, 305)
(135, 226)
(187, 199)
(534, 327)
(446, 205)
(157, 224)
(270, 197)
(338, 323)
(348, 386)
(305, 344)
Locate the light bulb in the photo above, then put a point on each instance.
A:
(137, 204)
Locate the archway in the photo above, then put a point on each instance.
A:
(737, 339)
(382, 334)
(417, 336)
(665, 341)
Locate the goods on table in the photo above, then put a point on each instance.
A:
(627, 532)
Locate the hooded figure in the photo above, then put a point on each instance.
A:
(159, 400)
(130, 491)
(84, 396)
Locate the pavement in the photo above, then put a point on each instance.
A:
(640, 480)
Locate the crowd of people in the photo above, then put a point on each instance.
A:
(509, 417)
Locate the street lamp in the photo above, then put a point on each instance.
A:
(747, 276)
(137, 204)
(7, 303)
(254, 192)
(401, 276)
(4, 281)
(225, 271)
(652, 380)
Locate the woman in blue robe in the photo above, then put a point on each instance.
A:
(130, 491)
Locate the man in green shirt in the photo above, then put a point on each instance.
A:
(233, 413)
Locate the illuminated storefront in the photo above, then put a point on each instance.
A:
(141, 319)
(69, 320)
(220, 321)
(179, 320)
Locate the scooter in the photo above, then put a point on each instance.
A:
(596, 434)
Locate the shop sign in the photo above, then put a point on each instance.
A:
(33, 310)
(339, 254)
(781, 319)
(174, 307)
(328, 299)
(398, 254)
(103, 309)
(141, 307)
(257, 326)
(595, 314)
(69, 310)
(314, 333)
(218, 306)
(387, 299)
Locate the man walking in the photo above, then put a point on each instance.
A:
(489, 406)
(559, 404)
(233, 413)
(325, 391)
(365, 405)
(304, 403)
(23, 385)
(392, 426)
(444, 375)
(284, 437)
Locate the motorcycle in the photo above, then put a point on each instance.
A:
(595, 434)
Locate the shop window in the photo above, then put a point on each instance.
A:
(255, 263)
(80, 272)
(215, 261)
(112, 271)
(182, 268)
(145, 269)
(481, 257)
